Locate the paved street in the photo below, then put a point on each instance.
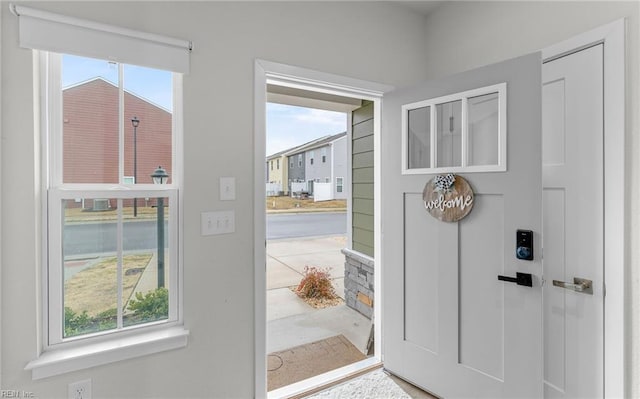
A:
(90, 238)
(293, 225)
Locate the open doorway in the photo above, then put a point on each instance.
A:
(307, 85)
(319, 297)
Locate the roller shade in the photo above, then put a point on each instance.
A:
(43, 30)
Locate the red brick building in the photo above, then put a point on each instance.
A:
(90, 153)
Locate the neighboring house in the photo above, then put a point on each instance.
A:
(300, 165)
(326, 161)
(277, 174)
(94, 141)
(296, 161)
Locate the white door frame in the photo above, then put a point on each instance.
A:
(301, 78)
(612, 36)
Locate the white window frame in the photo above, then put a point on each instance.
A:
(60, 355)
(501, 166)
(339, 184)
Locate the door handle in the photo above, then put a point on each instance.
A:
(579, 285)
(520, 279)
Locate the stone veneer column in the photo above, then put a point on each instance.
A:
(358, 281)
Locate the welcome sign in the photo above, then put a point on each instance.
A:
(448, 198)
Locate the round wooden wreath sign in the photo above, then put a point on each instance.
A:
(448, 198)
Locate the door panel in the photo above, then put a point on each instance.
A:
(421, 280)
(450, 326)
(573, 223)
(481, 316)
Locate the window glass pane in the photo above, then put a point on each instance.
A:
(90, 266)
(448, 132)
(419, 138)
(148, 106)
(146, 252)
(90, 120)
(483, 130)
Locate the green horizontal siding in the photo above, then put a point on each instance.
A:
(362, 221)
(363, 175)
(363, 144)
(363, 129)
(362, 180)
(362, 160)
(363, 206)
(363, 113)
(364, 249)
(364, 190)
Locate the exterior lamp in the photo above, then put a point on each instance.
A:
(135, 122)
(160, 176)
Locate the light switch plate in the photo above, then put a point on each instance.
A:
(220, 222)
(227, 188)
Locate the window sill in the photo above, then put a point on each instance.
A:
(60, 361)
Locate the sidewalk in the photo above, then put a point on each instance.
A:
(290, 320)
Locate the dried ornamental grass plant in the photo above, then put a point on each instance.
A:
(316, 288)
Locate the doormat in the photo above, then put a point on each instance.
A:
(306, 361)
(374, 385)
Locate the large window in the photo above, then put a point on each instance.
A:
(110, 268)
(112, 233)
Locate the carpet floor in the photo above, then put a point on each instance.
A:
(374, 385)
(306, 361)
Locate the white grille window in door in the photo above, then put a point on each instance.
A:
(461, 132)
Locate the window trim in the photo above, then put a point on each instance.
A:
(501, 166)
(339, 184)
(90, 350)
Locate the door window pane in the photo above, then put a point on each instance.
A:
(483, 129)
(419, 140)
(448, 131)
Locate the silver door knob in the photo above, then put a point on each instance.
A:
(579, 285)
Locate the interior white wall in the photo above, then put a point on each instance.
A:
(464, 35)
(371, 41)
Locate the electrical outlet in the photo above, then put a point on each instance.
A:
(80, 389)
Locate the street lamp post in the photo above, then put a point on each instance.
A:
(160, 176)
(135, 122)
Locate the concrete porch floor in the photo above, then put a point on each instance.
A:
(291, 321)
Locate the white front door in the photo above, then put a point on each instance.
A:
(573, 224)
(449, 325)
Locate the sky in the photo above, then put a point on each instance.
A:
(287, 126)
